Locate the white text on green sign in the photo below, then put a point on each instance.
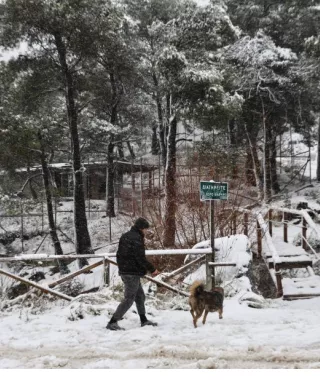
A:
(213, 190)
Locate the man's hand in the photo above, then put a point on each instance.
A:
(155, 273)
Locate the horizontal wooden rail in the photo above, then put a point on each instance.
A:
(288, 297)
(183, 268)
(226, 264)
(35, 285)
(75, 274)
(44, 257)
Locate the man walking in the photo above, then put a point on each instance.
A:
(133, 265)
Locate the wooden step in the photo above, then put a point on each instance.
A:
(299, 288)
(292, 264)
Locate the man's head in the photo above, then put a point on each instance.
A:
(141, 224)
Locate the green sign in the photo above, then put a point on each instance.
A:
(213, 190)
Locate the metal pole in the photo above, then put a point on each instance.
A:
(107, 192)
(210, 271)
(110, 232)
(141, 187)
(213, 233)
(280, 163)
(55, 210)
(133, 189)
(42, 215)
(160, 185)
(21, 211)
(88, 190)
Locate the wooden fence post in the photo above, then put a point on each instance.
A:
(133, 190)
(270, 221)
(234, 222)
(279, 280)
(285, 227)
(246, 222)
(259, 239)
(304, 233)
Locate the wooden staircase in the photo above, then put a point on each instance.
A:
(281, 255)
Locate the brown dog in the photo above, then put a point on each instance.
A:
(201, 300)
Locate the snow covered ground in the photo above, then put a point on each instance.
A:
(281, 335)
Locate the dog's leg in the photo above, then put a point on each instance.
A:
(195, 320)
(205, 316)
(192, 313)
(220, 312)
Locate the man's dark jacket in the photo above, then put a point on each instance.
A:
(131, 256)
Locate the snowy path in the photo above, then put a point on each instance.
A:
(285, 335)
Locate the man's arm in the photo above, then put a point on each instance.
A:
(140, 257)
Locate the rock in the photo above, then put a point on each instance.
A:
(17, 290)
(38, 276)
(302, 206)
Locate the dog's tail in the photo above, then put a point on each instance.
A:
(196, 288)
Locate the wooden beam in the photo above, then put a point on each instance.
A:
(183, 268)
(304, 233)
(150, 252)
(259, 239)
(222, 264)
(35, 285)
(289, 297)
(270, 221)
(246, 223)
(75, 274)
(278, 280)
(285, 227)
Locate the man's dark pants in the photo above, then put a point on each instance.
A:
(133, 292)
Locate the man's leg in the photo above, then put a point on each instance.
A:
(140, 299)
(131, 286)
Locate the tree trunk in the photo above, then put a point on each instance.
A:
(233, 143)
(170, 188)
(250, 175)
(318, 162)
(273, 164)
(256, 165)
(267, 168)
(133, 156)
(120, 150)
(110, 152)
(32, 190)
(52, 226)
(110, 180)
(82, 237)
(162, 134)
(155, 142)
(266, 156)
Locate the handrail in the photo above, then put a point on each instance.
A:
(267, 236)
(302, 213)
(312, 249)
(151, 252)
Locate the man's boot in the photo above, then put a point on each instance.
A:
(146, 322)
(113, 325)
